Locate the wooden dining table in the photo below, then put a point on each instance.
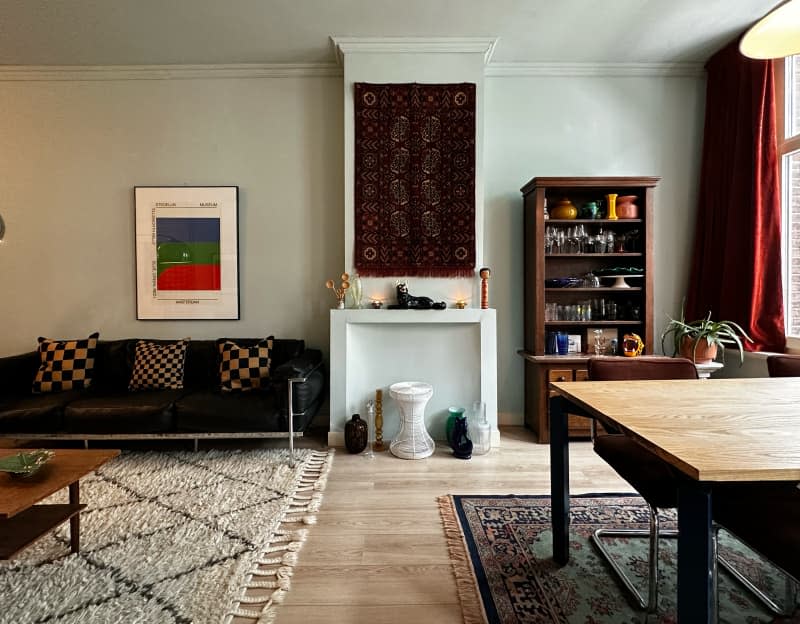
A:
(713, 431)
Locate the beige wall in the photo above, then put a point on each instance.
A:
(72, 151)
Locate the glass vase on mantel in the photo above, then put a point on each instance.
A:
(356, 291)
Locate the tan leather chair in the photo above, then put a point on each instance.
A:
(649, 475)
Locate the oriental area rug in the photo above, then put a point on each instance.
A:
(414, 174)
(501, 551)
(173, 537)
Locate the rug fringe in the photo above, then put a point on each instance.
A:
(276, 571)
(468, 594)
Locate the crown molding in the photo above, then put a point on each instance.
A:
(415, 45)
(32, 73)
(673, 70)
(166, 72)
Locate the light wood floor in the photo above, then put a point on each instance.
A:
(378, 553)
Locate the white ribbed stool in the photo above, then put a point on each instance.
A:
(412, 441)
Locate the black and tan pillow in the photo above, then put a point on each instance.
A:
(65, 364)
(244, 368)
(158, 365)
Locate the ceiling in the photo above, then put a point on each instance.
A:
(162, 32)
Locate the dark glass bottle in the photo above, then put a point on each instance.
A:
(355, 434)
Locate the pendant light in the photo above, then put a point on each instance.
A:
(775, 35)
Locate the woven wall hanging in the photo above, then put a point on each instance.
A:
(415, 179)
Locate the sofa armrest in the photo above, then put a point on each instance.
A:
(303, 377)
(299, 368)
(17, 373)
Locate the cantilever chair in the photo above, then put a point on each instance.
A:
(769, 521)
(649, 475)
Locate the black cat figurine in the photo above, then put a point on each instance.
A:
(410, 302)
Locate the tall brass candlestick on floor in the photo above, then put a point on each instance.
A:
(379, 445)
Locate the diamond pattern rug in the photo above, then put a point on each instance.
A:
(173, 537)
(501, 549)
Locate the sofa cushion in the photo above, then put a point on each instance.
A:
(133, 412)
(230, 411)
(65, 364)
(244, 368)
(158, 366)
(39, 413)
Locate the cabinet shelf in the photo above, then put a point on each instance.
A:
(602, 289)
(592, 323)
(626, 254)
(591, 221)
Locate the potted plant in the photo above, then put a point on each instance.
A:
(699, 340)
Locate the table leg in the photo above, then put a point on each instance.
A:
(74, 521)
(559, 478)
(695, 554)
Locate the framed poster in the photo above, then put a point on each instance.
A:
(187, 252)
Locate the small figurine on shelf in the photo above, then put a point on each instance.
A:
(485, 273)
(339, 292)
(632, 345)
(406, 301)
(379, 445)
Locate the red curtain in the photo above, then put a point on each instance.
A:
(736, 266)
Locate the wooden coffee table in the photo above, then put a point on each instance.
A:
(22, 521)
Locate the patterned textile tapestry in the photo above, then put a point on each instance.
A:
(415, 179)
(173, 538)
(501, 550)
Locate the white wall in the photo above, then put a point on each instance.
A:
(73, 150)
(586, 126)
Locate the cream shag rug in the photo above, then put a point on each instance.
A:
(173, 537)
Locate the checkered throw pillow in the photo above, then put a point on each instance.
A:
(65, 364)
(158, 366)
(244, 368)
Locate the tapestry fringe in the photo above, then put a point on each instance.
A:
(273, 573)
(401, 272)
(468, 593)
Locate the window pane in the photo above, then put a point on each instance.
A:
(793, 95)
(792, 224)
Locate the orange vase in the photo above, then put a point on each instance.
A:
(626, 208)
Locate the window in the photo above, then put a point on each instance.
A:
(787, 86)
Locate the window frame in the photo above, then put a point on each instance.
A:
(786, 145)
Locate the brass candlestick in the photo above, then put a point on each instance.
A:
(379, 445)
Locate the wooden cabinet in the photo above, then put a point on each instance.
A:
(567, 286)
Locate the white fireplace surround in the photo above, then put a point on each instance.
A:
(453, 350)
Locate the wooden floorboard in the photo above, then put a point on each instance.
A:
(377, 553)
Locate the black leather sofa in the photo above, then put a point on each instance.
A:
(200, 410)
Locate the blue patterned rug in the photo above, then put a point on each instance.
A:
(501, 551)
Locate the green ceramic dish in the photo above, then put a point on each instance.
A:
(25, 463)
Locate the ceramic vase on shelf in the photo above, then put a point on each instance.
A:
(564, 209)
(611, 203)
(626, 208)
